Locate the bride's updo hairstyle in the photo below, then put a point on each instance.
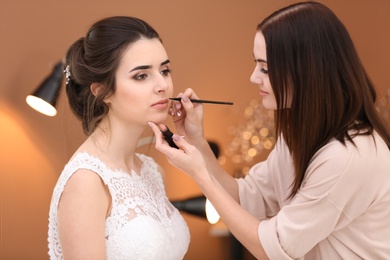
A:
(95, 59)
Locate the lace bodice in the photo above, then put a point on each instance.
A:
(143, 224)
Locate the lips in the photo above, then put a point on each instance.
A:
(162, 104)
(263, 93)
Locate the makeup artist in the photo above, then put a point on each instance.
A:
(324, 190)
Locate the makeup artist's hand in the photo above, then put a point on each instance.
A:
(187, 158)
(188, 117)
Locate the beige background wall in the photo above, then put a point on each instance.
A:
(210, 46)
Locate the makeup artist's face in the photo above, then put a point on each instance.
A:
(143, 84)
(260, 73)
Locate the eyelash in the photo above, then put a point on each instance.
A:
(142, 76)
(166, 72)
(265, 71)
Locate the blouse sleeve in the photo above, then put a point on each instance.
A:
(264, 190)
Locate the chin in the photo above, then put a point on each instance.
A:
(159, 119)
(269, 105)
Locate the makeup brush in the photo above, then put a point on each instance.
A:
(205, 101)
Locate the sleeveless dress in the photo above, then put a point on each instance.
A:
(143, 224)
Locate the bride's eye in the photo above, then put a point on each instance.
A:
(166, 72)
(140, 76)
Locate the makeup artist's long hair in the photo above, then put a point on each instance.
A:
(312, 59)
(95, 59)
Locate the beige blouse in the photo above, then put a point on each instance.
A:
(341, 211)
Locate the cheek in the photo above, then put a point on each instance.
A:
(267, 85)
(271, 100)
(171, 87)
(128, 94)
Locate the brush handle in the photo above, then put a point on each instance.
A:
(205, 101)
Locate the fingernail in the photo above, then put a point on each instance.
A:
(175, 137)
(149, 124)
(170, 111)
(178, 113)
(185, 99)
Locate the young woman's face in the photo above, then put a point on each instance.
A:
(143, 84)
(260, 73)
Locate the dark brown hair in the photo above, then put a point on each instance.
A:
(94, 59)
(312, 59)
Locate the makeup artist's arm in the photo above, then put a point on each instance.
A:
(191, 160)
(189, 123)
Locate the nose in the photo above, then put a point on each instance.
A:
(256, 78)
(163, 83)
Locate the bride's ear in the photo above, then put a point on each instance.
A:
(96, 89)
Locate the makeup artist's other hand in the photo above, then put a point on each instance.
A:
(187, 158)
(188, 117)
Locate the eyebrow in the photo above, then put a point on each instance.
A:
(259, 60)
(143, 67)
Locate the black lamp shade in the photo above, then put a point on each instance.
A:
(44, 99)
(194, 206)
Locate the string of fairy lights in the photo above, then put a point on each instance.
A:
(251, 137)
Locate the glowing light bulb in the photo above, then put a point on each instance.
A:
(211, 214)
(41, 105)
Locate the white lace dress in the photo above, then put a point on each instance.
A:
(155, 230)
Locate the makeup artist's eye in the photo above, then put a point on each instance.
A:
(263, 66)
(166, 72)
(265, 71)
(140, 76)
